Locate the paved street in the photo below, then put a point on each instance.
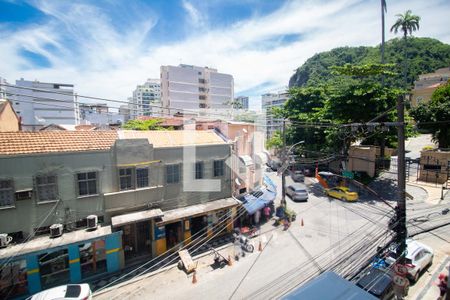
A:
(332, 231)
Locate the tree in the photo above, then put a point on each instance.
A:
(275, 142)
(435, 115)
(152, 124)
(407, 23)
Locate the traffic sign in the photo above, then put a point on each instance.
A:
(400, 269)
(399, 280)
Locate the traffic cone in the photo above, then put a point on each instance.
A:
(194, 278)
(260, 246)
(230, 261)
(302, 223)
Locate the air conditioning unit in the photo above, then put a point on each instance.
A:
(92, 222)
(5, 240)
(56, 230)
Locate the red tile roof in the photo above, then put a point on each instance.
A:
(14, 143)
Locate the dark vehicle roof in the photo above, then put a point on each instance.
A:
(73, 291)
(375, 281)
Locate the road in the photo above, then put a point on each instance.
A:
(336, 235)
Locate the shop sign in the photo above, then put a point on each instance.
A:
(160, 232)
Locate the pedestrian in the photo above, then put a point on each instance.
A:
(267, 213)
(257, 217)
(442, 285)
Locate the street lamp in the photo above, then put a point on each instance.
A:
(283, 176)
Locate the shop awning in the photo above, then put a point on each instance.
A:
(258, 200)
(247, 160)
(135, 217)
(173, 215)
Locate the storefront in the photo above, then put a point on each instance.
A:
(179, 226)
(137, 237)
(46, 262)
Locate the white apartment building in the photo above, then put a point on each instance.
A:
(99, 114)
(269, 101)
(241, 102)
(43, 103)
(196, 89)
(146, 98)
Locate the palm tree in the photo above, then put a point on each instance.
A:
(407, 23)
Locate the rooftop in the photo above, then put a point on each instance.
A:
(173, 138)
(23, 142)
(27, 142)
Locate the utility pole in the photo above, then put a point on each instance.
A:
(401, 180)
(283, 176)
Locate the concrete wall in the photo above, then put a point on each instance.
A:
(29, 214)
(434, 158)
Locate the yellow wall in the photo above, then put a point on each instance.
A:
(8, 119)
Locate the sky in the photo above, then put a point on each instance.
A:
(107, 47)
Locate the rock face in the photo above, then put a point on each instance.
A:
(425, 55)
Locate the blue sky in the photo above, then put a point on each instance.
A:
(107, 47)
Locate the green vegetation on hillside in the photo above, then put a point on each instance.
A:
(425, 55)
(435, 115)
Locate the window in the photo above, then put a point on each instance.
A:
(125, 179)
(142, 177)
(92, 258)
(202, 105)
(54, 268)
(199, 170)
(202, 97)
(218, 168)
(201, 89)
(201, 80)
(87, 183)
(47, 188)
(13, 278)
(6, 193)
(173, 173)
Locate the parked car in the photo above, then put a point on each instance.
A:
(69, 292)
(298, 176)
(418, 258)
(297, 192)
(377, 282)
(274, 165)
(343, 193)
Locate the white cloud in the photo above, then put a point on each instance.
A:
(195, 16)
(102, 60)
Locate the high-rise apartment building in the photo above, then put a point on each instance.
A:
(241, 102)
(269, 101)
(43, 103)
(192, 88)
(146, 99)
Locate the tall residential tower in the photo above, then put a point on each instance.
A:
(190, 88)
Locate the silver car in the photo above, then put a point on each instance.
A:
(297, 192)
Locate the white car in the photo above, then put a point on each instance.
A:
(418, 258)
(69, 291)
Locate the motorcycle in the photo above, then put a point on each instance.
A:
(243, 242)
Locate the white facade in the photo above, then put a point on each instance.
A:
(99, 114)
(193, 88)
(269, 101)
(146, 98)
(43, 103)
